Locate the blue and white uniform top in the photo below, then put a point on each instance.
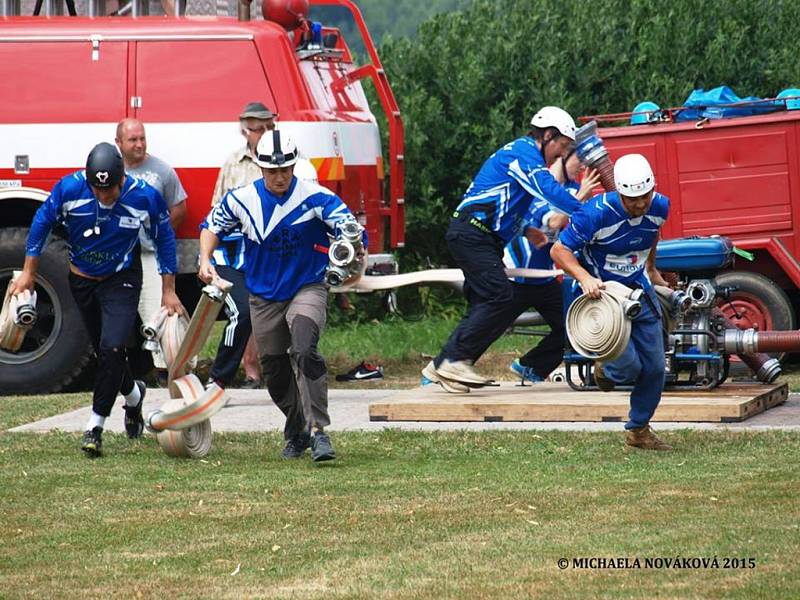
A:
(139, 206)
(283, 235)
(507, 183)
(612, 245)
(230, 252)
(519, 253)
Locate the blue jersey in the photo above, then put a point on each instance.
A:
(508, 182)
(283, 235)
(611, 245)
(230, 252)
(139, 206)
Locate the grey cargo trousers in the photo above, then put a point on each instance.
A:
(287, 334)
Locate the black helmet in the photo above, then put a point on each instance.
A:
(104, 168)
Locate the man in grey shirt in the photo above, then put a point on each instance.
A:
(132, 145)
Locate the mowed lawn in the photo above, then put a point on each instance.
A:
(400, 515)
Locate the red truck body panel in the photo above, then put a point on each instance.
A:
(67, 81)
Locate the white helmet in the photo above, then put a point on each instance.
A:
(633, 175)
(552, 116)
(304, 169)
(276, 150)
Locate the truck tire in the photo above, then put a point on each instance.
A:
(756, 302)
(57, 350)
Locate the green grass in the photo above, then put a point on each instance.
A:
(392, 339)
(399, 515)
(18, 410)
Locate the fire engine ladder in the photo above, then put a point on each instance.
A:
(374, 70)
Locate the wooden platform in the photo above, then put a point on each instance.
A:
(729, 403)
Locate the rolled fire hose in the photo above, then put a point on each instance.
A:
(673, 303)
(17, 317)
(601, 328)
(164, 334)
(182, 425)
(372, 283)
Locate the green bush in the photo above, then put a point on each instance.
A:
(471, 80)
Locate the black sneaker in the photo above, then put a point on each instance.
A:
(134, 423)
(321, 448)
(296, 446)
(362, 372)
(250, 384)
(92, 442)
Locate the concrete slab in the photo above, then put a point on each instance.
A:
(252, 410)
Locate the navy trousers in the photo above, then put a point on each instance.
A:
(237, 332)
(488, 292)
(109, 309)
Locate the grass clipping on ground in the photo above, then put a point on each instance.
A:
(400, 515)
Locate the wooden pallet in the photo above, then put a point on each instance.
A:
(729, 403)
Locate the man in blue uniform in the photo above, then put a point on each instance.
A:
(613, 238)
(544, 294)
(103, 210)
(489, 216)
(284, 221)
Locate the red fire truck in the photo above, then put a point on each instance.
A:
(735, 177)
(65, 82)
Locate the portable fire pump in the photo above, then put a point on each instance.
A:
(700, 339)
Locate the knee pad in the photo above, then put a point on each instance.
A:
(277, 371)
(111, 355)
(305, 335)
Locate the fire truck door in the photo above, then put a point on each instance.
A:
(59, 99)
(190, 94)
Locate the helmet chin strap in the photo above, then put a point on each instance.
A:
(544, 143)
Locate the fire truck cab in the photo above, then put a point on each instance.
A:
(67, 81)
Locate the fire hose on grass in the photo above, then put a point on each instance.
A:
(182, 425)
(17, 317)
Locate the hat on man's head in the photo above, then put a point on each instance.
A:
(257, 110)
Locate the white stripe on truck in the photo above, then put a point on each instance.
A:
(182, 145)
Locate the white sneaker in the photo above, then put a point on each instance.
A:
(462, 371)
(430, 373)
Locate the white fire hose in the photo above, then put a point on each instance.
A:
(372, 283)
(182, 425)
(600, 329)
(17, 316)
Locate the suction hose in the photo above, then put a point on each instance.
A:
(600, 329)
(750, 345)
(592, 152)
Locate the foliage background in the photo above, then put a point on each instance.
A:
(470, 80)
(471, 77)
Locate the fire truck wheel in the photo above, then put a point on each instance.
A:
(57, 350)
(756, 302)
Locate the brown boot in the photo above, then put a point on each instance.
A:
(644, 438)
(604, 383)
